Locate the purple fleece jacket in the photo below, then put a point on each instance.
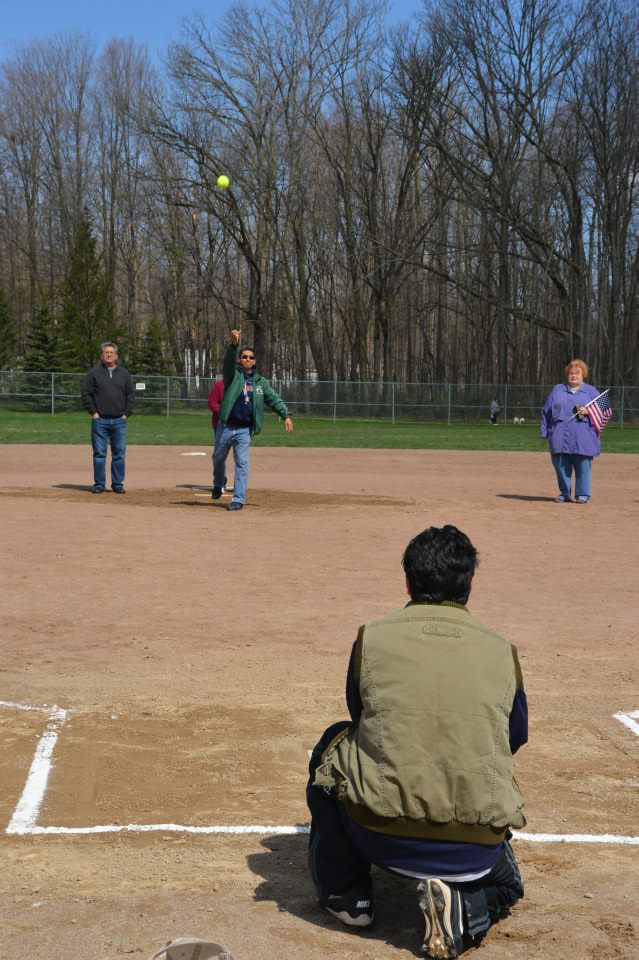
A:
(563, 434)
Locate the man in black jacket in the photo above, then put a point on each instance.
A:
(107, 394)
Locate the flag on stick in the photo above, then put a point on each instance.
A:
(600, 411)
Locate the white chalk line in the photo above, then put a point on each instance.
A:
(25, 815)
(576, 838)
(169, 828)
(609, 838)
(24, 819)
(629, 720)
(196, 453)
(29, 707)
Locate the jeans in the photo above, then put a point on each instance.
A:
(564, 464)
(105, 431)
(239, 440)
(219, 427)
(337, 866)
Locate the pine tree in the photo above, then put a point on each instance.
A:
(87, 311)
(43, 348)
(150, 356)
(7, 333)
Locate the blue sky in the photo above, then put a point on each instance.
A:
(155, 22)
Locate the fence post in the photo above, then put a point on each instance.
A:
(505, 404)
(168, 396)
(449, 400)
(52, 394)
(622, 402)
(393, 402)
(334, 401)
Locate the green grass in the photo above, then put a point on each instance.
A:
(194, 429)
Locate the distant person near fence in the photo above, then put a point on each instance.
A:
(108, 395)
(494, 412)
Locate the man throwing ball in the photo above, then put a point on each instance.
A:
(241, 416)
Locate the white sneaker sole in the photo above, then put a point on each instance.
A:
(364, 919)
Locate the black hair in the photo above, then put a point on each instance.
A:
(249, 349)
(439, 564)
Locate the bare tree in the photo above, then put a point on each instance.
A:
(21, 146)
(606, 99)
(455, 200)
(123, 83)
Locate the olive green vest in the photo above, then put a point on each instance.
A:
(430, 755)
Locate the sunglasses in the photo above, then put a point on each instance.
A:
(245, 356)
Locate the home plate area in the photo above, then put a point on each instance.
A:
(174, 774)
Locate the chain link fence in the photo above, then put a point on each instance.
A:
(436, 402)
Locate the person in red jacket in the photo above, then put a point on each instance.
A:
(215, 399)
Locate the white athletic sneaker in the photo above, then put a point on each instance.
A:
(193, 948)
(355, 909)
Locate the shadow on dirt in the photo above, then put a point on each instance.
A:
(87, 487)
(528, 499)
(219, 505)
(282, 864)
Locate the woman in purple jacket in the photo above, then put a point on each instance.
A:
(573, 440)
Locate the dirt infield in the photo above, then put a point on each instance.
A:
(200, 653)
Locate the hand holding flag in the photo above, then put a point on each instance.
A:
(600, 411)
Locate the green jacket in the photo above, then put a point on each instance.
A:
(262, 392)
(430, 754)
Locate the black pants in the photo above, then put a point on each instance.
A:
(337, 865)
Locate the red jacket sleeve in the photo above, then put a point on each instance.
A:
(215, 399)
(215, 396)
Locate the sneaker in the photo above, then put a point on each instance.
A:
(562, 500)
(98, 490)
(353, 909)
(118, 489)
(582, 499)
(217, 493)
(444, 928)
(235, 505)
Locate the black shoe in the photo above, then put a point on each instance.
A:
(443, 918)
(217, 493)
(118, 489)
(235, 505)
(354, 909)
(98, 490)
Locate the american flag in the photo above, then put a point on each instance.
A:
(600, 411)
